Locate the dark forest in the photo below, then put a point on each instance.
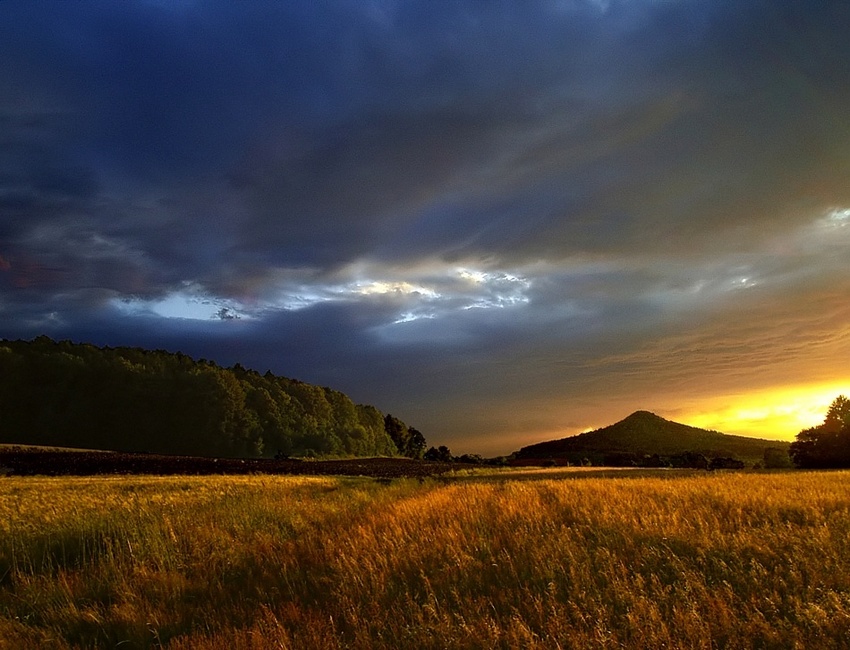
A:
(130, 399)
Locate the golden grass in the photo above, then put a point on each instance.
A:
(688, 560)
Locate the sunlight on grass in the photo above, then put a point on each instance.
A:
(484, 560)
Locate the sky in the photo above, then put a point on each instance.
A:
(502, 222)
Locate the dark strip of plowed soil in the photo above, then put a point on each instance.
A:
(21, 462)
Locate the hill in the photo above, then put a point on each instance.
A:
(644, 434)
(134, 400)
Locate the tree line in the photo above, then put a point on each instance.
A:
(131, 399)
(826, 445)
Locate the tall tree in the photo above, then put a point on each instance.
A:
(415, 443)
(397, 432)
(826, 445)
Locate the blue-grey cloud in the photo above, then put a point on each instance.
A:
(434, 205)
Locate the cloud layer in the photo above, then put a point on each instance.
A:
(497, 221)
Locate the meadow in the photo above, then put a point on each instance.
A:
(493, 559)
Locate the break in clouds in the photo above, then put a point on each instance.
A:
(493, 219)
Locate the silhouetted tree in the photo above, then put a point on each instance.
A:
(398, 433)
(726, 463)
(408, 441)
(776, 458)
(440, 454)
(621, 459)
(416, 443)
(654, 461)
(826, 445)
(690, 459)
(838, 415)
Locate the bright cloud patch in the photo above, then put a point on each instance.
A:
(188, 304)
(399, 288)
(417, 295)
(434, 290)
(839, 217)
(496, 289)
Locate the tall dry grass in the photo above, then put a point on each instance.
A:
(687, 561)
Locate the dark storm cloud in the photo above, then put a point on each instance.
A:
(341, 124)
(607, 131)
(429, 204)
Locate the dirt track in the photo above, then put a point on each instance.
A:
(18, 461)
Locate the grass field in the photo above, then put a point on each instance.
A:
(491, 560)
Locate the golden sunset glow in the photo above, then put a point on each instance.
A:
(780, 413)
